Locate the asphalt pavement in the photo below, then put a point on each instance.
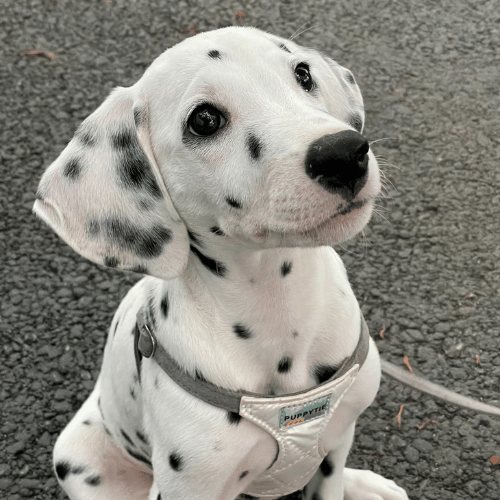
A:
(426, 271)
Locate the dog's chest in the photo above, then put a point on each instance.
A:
(267, 332)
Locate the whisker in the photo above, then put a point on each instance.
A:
(347, 251)
(376, 211)
(382, 139)
(296, 34)
(297, 30)
(388, 164)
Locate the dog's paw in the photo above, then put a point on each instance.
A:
(366, 485)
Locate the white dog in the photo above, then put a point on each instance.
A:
(225, 173)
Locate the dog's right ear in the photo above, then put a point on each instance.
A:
(351, 107)
(105, 196)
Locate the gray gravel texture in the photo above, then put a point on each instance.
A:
(428, 267)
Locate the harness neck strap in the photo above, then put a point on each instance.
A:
(145, 344)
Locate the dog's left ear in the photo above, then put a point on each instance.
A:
(350, 107)
(105, 196)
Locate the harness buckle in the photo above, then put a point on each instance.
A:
(147, 342)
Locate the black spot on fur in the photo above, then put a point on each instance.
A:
(145, 204)
(140, 116)
(322, 373)
(286, 268)
(199, 376)
(164, 306)
(72, 169)
(295, 334)
(139, 457)
(356, 122)
(243, 474)
(132, 393)
(92, 227)
(284, 47)
(326, 467)
(157, 382)
(217, 230)
(111, 261)
(175, 461)
(158, 497)
(93, 480)
(127, 437)
(87, 422)
(242, 331)
(195, 238)
(134, 169)
(254, 146)
(285, 364)
(147, 243)
(142, 437)
(86, 138)
(62, 469)
(233, 417)
(350, 77)
(214, 54)
(215, 266)
(123, 140)
(233, 202)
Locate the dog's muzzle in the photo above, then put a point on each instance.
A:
(339, 163)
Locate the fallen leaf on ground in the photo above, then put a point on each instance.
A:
(399, 415)
(381, 333)
(406, 361)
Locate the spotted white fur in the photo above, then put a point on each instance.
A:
(235, 229)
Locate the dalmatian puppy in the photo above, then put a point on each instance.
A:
(225, 174)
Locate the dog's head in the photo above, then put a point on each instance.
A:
(233, 131)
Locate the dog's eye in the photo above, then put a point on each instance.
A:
(205, 120)
(304, 77)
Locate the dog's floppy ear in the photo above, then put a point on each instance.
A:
(104, 194)
(350, 107)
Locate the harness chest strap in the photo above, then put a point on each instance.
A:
(295, 420)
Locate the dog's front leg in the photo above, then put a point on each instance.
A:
(334, 481)
(328, 482)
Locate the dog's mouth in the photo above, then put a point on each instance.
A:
(323, 229)
(343, 210)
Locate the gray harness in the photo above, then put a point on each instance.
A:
(296, 420)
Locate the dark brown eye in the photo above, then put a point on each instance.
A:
(303, 76)
(205, 120)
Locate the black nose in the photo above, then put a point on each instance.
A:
(339, 163)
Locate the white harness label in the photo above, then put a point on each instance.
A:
(294, 415)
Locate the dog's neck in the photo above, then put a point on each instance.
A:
(233, 272)
(258, 308)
